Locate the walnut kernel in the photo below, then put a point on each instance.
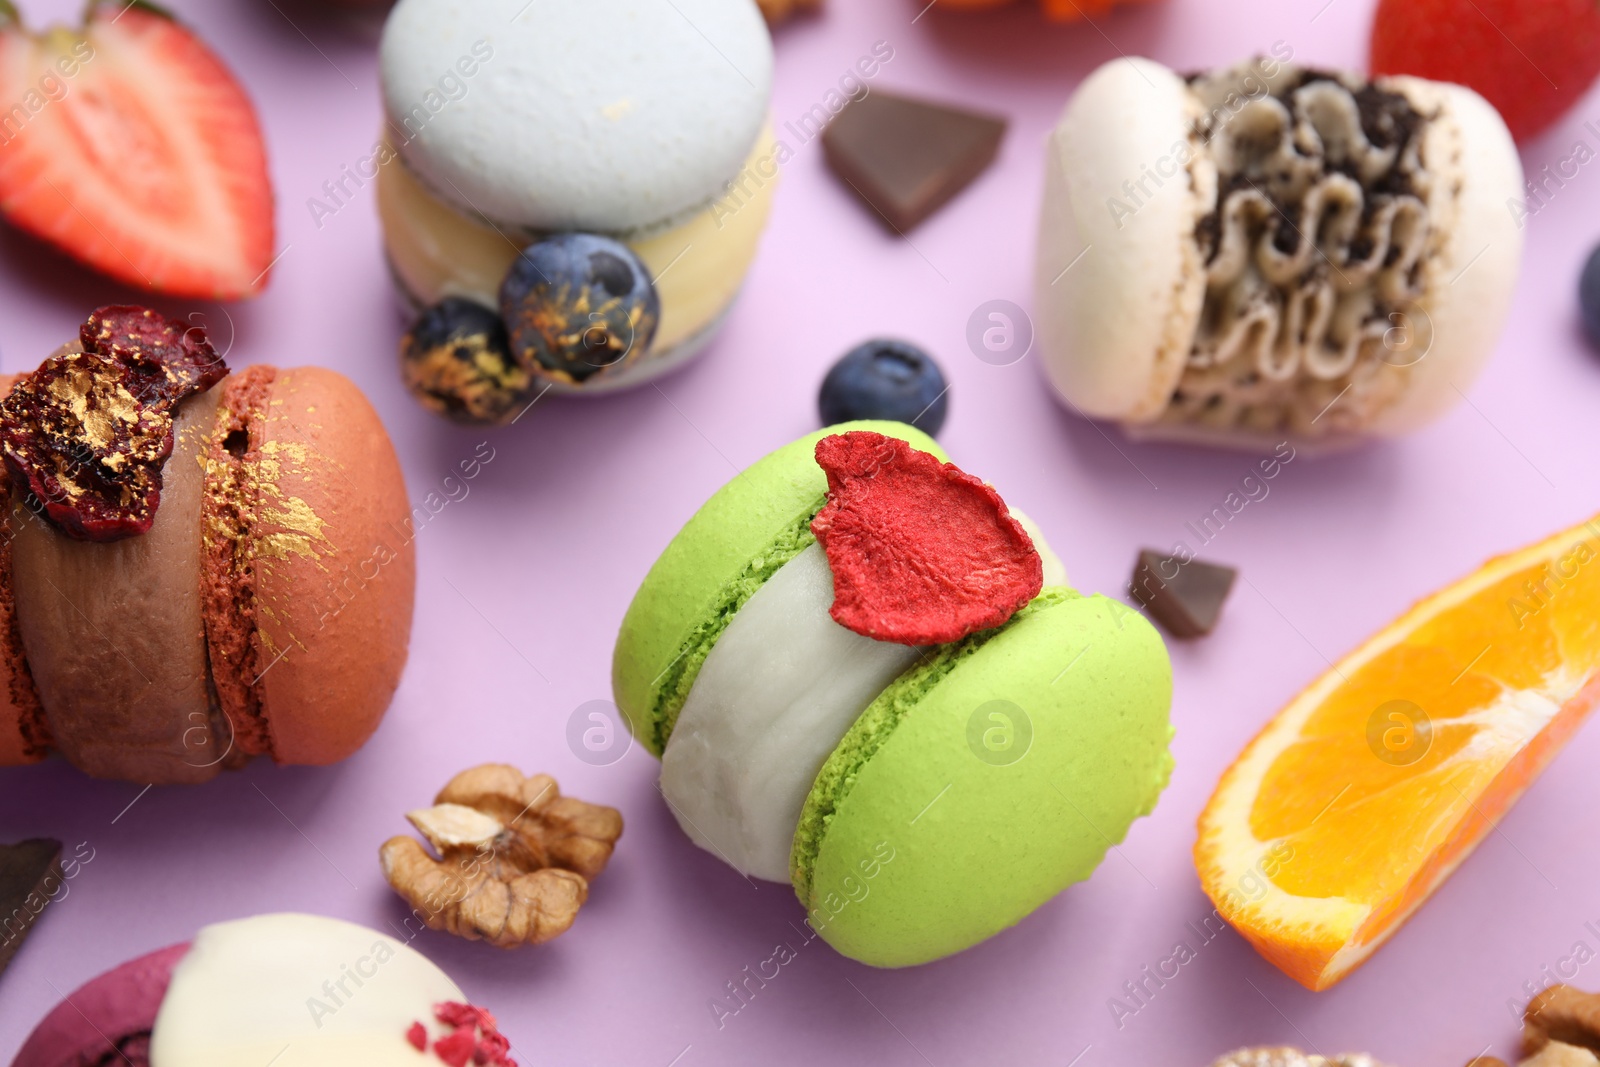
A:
(514, 857)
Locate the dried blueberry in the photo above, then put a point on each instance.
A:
(457, 361)
(885, 379)
(578, 305)
(1589, 296)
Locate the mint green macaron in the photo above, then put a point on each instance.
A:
(984, 779)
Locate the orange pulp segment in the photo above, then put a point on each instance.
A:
(1362, 796)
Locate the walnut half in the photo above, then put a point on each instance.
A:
(515, 857)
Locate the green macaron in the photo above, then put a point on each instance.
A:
(981, 780)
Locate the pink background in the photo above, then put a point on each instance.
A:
(522, 584)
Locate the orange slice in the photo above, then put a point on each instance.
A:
(1362, 796)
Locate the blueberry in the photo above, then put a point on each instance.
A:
(1589, 296)
(457, 361)
(578, 305)
(885, 379)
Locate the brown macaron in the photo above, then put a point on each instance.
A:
(266, 611)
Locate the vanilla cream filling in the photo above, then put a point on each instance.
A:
(698, 265)
(776, 695)
(298, 991)
(1317, 252)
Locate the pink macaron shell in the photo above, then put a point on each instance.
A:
(106, 1020)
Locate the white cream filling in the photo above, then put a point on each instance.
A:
(776, 694)
(298, 991)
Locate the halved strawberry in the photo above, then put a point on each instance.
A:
(130, 146)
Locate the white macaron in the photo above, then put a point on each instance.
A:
(512, 123)
(1270, 252)
(602, 115)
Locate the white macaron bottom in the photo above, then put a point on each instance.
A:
(773, 700)
(698, 264)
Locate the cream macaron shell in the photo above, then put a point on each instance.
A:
(1468, 306)
(257, 991)
(1117, 300)
(1122, 291)
(596, 115)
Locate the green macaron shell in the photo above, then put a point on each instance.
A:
(741, 536)
(939, 821)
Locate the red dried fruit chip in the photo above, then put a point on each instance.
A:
(169, 359)
(456, 1048)
(475, 1030)
(418, 1036)
(922, 552)
(86, 436)
(455, 1013)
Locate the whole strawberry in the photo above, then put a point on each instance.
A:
(1531, 59)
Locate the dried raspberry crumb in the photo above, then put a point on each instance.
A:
(453, 1013)
(492, 1048)
(87, 435)
(475, 1035)
(922, 553)
(418, 1036)
(455, 1048)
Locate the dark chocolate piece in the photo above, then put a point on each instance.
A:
(1185, 598)
(30, 873)
(907, 158)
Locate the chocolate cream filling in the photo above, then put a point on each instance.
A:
(139, 659)
(114, 633)
(1315, 251)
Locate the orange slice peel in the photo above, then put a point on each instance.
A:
(1371, 787)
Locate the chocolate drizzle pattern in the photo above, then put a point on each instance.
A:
(1315, 253)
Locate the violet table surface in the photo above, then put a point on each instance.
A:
(523, 581)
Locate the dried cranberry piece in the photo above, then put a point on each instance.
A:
(169, 359)
(86, 436)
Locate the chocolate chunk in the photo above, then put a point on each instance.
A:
(1185, 598)
(907, 158)
(86, 435)
(30, 872)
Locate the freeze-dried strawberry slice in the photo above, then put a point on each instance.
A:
(922, 553)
